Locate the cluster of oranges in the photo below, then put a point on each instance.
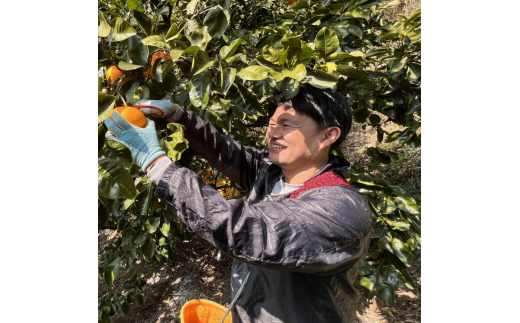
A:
(114, 75)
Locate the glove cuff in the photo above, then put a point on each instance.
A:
(175, 116)
(151, 157)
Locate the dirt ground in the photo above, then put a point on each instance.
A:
(200, 275)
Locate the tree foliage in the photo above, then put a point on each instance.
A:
(221, 59)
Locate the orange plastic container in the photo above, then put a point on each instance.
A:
(203, 311)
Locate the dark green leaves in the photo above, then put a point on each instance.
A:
(111, 269)
(200, 62)
(200, 89)
(149, 248)
(327, 42)
(353, 73)
(114, 181)
(244, 100)
(217, 21)
(137, 50)
(144, 22)
(105, 106)
(227, 76)
(290, 87)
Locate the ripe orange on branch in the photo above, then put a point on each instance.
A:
(158, 54)
(132, 115)
(113, 72)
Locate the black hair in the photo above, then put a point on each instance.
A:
(327, 108)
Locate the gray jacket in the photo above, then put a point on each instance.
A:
(302, 252)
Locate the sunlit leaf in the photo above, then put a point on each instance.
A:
(103, 28)
(121, 29)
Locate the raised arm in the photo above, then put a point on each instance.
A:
(236, 161)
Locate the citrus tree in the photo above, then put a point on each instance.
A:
(223, 59)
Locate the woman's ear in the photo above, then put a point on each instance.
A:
(330, 136)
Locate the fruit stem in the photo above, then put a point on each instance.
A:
(122, 98)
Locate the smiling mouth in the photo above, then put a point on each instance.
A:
(276, 146)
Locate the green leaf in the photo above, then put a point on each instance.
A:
(355, 30)
(389, 35)
(320, 79)
(114, 181)
(176, 54)
(103, 28)
(140, 237)
(289, 87)
(144, 22)
(377, 52)
(368, 284)
(134, 5)
(152, 223)
(227, 76)
(394, 136)
(200, 89)
(101, 137)
(144, 195)
(137, 50)
(127, 237)
(172, 32)
(364, 268)
(402, 251)
(398, 64)
(352, 72)
(200, 62)
(227, 51)
(342, 27)
(129, 89)
(300, 5)
(165, 228)
(217, 114)
(175, 143)
(199, 37)
(192, 6)
(125, 66)
(102, 214)
(253, 73)
(413, 72)
(407, 204)
(244, 100)
(157, 41)
(326, 41)
(121, 30)
(119, 152)
(297, 72)
(217, 21)
(105, 106)
(111, 269)
(224, 3)
(386, 293)
(149, 248)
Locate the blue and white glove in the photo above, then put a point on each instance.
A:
(156, 108)
(142, 142)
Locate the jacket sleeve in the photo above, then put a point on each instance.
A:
(239, 163)
(323, 231)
